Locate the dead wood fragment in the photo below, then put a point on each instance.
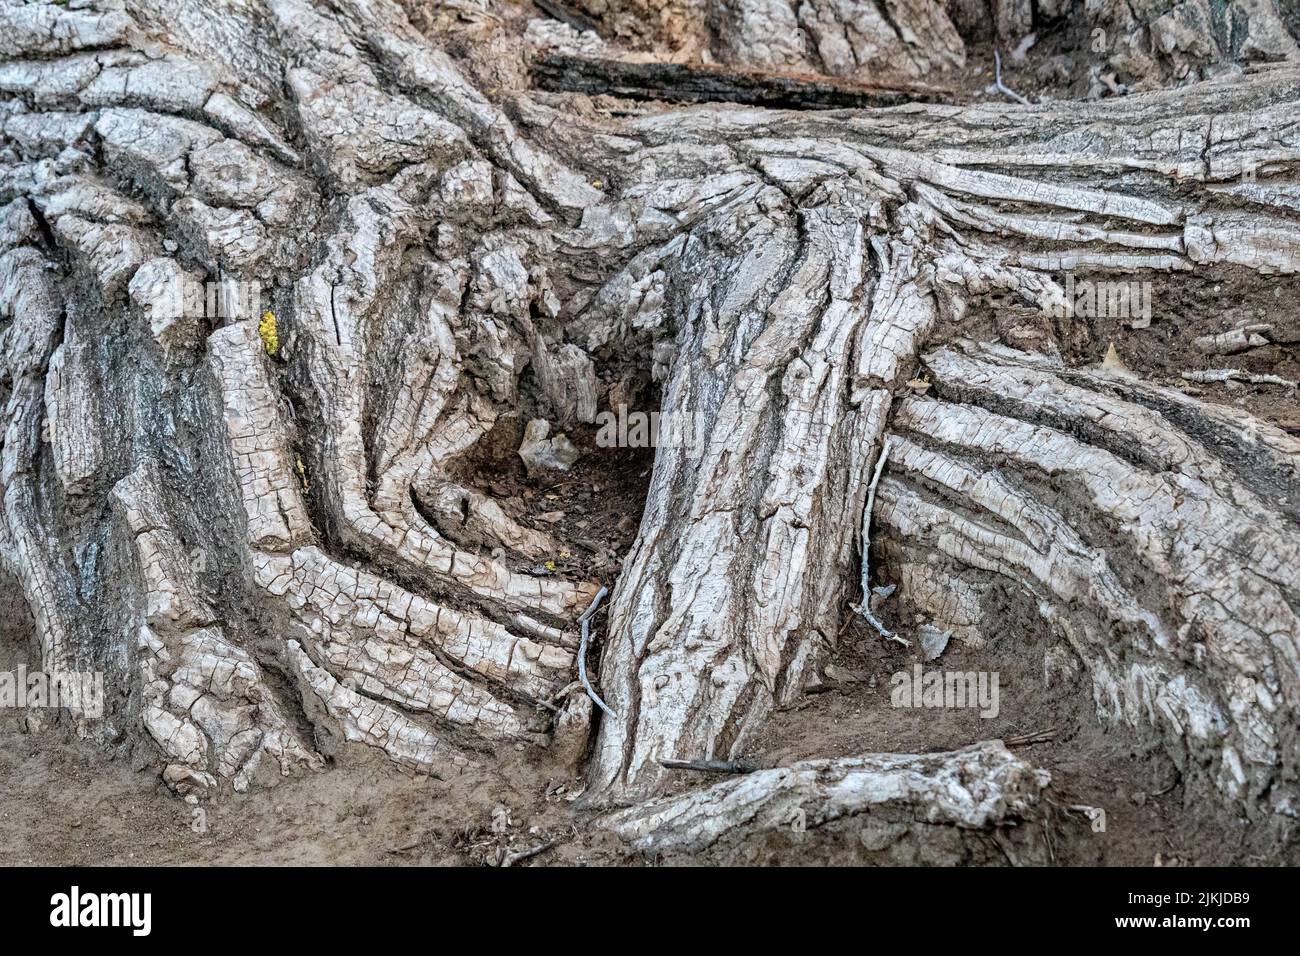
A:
(1035, 737)
(712, 766)
(980, 787)
(680, 82)
(511, 857)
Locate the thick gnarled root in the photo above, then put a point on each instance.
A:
(364, 720)
(381, 659)
(1159, 536)
(206, 702)
(734, 588)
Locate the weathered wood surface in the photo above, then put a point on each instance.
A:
(190, 506)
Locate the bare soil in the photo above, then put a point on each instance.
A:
(64, 804)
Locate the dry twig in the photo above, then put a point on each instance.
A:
(712, 766)
(585, 622)
(997, 81)
(511, 857)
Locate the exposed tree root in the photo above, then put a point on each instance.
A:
(977, 788)
(259, 525)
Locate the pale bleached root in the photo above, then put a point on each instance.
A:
(465, 643)
(381, 658)
(206, 701)
(29, 551)
(1156, 535)
(733, 590)
(362, 719)
(980, 787)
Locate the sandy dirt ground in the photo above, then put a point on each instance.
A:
(62, 803)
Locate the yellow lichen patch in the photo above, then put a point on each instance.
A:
(270, 335)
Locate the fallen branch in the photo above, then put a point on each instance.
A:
(517, 856)
(1213, 375)
(1036, 737)
(712, 766)
(1241, 339)
(980, 786)
(679, 82)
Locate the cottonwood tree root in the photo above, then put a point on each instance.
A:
(253, 532)
(269, 542)
(738, 581)
(1154, 534)
(903, 804)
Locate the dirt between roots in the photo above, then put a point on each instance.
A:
(63, 803)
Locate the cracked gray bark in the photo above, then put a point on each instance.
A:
(252, 537)
(850, 39)
(907, 798)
